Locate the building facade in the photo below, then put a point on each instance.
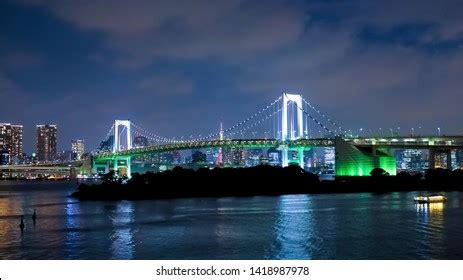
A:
(46, 142)
(11, 143)
(77, 148)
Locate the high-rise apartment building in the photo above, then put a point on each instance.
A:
(11, 142)
(46, 142)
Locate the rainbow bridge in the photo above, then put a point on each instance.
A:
(287, 120)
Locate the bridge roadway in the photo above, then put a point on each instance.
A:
(415, 142)
(57, 168)
(35, 170)
(231, 143)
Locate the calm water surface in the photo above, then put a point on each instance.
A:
(339, 226)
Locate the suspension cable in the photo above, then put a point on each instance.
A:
(338, 127)
(315, 120)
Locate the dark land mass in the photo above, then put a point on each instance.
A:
(259, 181)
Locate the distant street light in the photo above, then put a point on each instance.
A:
(438, 130)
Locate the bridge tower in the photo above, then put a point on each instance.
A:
(117, 141)
(292, 127)
(119, 160)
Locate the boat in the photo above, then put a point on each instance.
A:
(434, 198)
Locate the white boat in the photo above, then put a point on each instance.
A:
(435, 198)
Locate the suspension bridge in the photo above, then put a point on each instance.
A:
(291, 124)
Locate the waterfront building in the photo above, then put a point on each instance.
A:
(77, 148)
(11, 143)
(4, 157)
(176, 157)
(166, 158)
(440, 160)
(274, 157)
(46, 142)
(455, 164)
(210, 156)
(253, 157)
(64, 156)
(320, 160)
(412, 160)
(233, 156)
(198, 157)
(459, 158)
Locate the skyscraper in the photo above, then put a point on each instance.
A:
(46, 142)
(77, 148)
(11, 142)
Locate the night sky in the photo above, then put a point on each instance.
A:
(180, 67)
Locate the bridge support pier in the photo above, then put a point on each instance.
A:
(287, 160)
(115, 165)
(123, 162)
(99, 167)
(300, 157)
(357, 161)
(284, 157)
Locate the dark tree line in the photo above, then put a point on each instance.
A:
(259, 180)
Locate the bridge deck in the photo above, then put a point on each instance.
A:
(421, 142)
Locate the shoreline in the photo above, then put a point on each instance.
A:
(258, 181)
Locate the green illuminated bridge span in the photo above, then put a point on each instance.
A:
(352, 159)
(282, 124)
(444, 142)
(354, 156)
(412, 142)
(235, 143)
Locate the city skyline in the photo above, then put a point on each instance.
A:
(73, 65)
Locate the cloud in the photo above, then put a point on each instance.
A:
(350, 80)
(312, 47)
(143, 30)
(166, 85)
(444, 17)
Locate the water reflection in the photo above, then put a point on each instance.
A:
(122, 241)
(293, 228)
(73, 236)
(324, 226)
(431, 226)
(430, 208)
